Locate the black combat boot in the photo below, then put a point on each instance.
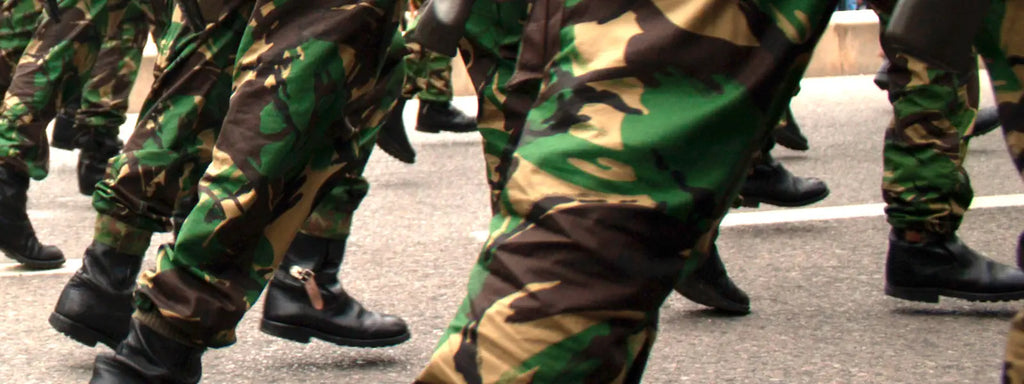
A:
(92, 160)
(392, 138)
(305, 299)
(146, 356)
(96, 304)
(789, 135)
(986, 121)
(17, 237)
(944, 266)
(436, 116)
(710, 285)
(771, 183)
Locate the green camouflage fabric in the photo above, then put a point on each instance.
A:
(53, 69)
(283, 137)
(18, 20)
(489, 49)
(151, 185)
(439, 86)
(565, 290)
(103, 101)
(924, 184)
(1001, 45)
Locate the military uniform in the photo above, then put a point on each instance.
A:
(17, 24)
(153, 185)
(924, 185)
(281, 140)
(562, 291)
(51, 70)
(53, 67)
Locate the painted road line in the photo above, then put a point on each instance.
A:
(780, 216)
(775, 216)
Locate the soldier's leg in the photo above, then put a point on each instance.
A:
(610, 184)
(273, 153)
(927, 191)
(1000, 47)
(313, 260)
(18, 21)
(436, 112)
(104, 99)
(770, 182)
(55, 60)
(150, 186)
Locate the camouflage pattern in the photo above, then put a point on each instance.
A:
(53, 68)
(151, 185)
(439, 86)
(1001, 45)
(281, 140)
(103, 102)
(18, 20)
(924, 184)
(489, 49)
(563, 291)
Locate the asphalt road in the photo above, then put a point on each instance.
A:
(819, 314)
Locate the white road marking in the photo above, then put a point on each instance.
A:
(779, 216)
(775, 216)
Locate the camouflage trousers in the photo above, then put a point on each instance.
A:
(925, 185)
(18, 21)
(152, 184)
(288, 131)
(439, 85)
(103, 102)
(1001, 44)
(53, 69)
(610, 182)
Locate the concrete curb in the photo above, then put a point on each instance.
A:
(848, 47)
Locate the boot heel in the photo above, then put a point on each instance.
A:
(913, 294)
(284, 331)
(77, 332)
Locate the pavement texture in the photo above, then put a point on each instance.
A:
(819, 314)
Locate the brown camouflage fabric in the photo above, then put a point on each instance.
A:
(103, 102)
(611, 181)
(281, 140)
(18, 19)
(151, 185)
(53, 67)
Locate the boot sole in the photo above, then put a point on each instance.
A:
(33, 263)
(931, 295)
(754, 203)
(704, 296)
(80, 333)
(303, 335)
(437, 128)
